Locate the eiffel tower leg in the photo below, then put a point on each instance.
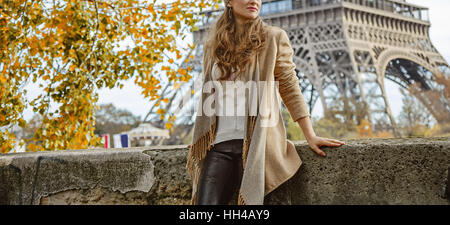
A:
(380, 81)
(364, 110)
(362, 94)
(343, 90)
(342, 84)
(326, 112)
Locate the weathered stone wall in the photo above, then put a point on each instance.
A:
(369, 171)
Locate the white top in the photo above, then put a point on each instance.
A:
(230, 107)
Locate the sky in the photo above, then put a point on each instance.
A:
(130, 97)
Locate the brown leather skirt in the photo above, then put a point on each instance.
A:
(221, 174)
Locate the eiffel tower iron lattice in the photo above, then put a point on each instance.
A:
(344, 49)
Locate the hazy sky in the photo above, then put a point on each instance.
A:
(130, 96)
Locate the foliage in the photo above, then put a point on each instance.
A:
(29, 130)
(293, 131)
(347, 111)
(332, 128)
(383, 134)
(414, 118)
(437, 130)
(72, 47)
(364, 129)
(110, 120)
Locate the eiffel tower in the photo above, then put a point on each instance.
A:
(343, 50)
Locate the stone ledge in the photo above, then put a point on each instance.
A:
(363, 171)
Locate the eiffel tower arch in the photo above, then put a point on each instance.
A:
(391, 39)
(344, 49)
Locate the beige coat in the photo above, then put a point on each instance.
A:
(281, 160)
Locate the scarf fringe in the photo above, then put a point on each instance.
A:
(199, 149)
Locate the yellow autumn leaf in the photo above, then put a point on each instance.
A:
(127, 19)
(182, 71)
(160, 111)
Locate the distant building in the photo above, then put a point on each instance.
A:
(147, 135)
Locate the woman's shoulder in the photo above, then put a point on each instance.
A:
(273, 31)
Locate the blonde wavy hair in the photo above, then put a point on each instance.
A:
(231, 50)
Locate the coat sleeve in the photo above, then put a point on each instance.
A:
(285, 74)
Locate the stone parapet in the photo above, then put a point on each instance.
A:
(363, 171)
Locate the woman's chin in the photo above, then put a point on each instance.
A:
(250, 18)
(253, 16)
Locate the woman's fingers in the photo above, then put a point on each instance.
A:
(318, 151)
(333, 142)
(324, 142)
(328, 143)
(336, 141)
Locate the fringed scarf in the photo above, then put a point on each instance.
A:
(204, 136)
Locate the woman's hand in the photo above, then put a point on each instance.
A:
(315, 142)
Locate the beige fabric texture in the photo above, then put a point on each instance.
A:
(269, 158)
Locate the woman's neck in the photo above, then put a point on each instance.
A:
(240, 24)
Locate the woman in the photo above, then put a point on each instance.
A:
(238, 155)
